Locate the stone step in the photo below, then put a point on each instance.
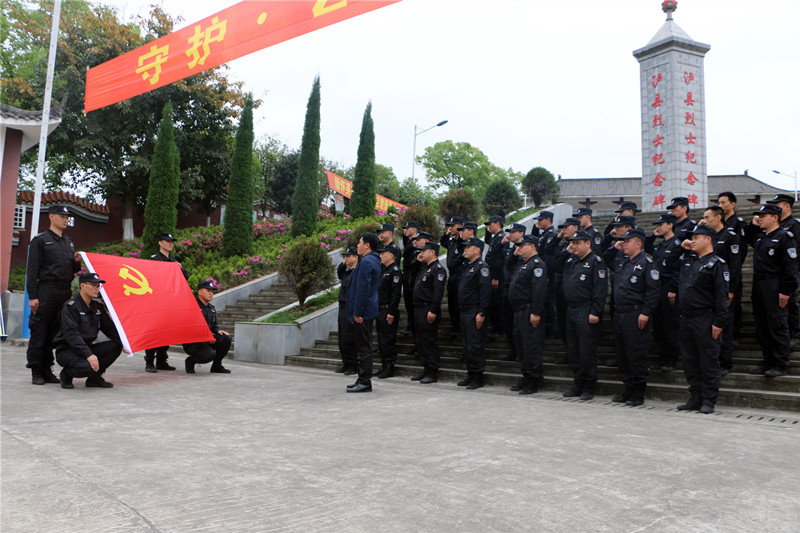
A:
(554, 384)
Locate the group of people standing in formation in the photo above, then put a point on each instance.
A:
(71, 324)
(682, 283)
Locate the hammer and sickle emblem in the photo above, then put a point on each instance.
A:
(136, 277)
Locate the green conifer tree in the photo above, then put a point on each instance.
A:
(362, 203)
(304, 200)
(161, 208)
(237, 235)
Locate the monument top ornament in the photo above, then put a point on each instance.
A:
(668, 7)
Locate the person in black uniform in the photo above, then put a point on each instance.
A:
(52, 264)
(410, 230)
(727, 247)
(82, 317)
(428, 294)
(703, 295)
(585, 288)
(386, 236)
(419, 240)
(560, 255)
(619, 227)
(389, 292)
(727, 201)
(347, 339)
(451, 241)
(165, 244)
(792, 226)
(547, 234)
(495, 258)
(584, 216)
(774, 279)
(474, 296)
(626, 209)
(666, 318)
(635, 284)
(527, 294)
(680, 208)
(205, 352)
(514, 234)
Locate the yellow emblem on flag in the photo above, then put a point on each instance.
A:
(136, 277)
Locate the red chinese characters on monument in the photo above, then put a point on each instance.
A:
(657, 101)
(654, 79)
(658, 120)
(689, 99)
(659, 180)
(659, 200)
(691, 179)
(692, 199)
(691, 157)
(658, 158)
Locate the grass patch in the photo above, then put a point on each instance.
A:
(291, 315)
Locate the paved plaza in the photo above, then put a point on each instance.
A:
(286, 449)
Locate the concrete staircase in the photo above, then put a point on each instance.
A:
(257, 305)
(740, 388)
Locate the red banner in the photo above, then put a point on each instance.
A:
(241, 29)
(345, 188)
(150, 302)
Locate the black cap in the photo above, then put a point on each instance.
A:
(625, 220)
(517, 227)
(431, 246)
(769, 209)
(468, 225)
(386, 227)
(668, 217)
(628, 205)
(582, 211)
(411, 224)
(495, 218)
(474, 241)
(634, 233)
(580, 236)
(382, 249)
(678, 200)
(570, 222)
(165, 237)
(702, 229)
(351, 251)
(782, 198)
(455, 221)
(544, 214)
(206, 284)
(422, 235)
(528, 239)
(90, 277)
(58, 210)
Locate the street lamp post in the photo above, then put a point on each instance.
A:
(790, 176)
(414, 164)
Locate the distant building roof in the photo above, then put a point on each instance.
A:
(48, 198)
(617, 187)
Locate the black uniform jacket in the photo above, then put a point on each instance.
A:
(585, 281)
(496, 256)
(529, 286)
(475, 287)
(455, 250)
(704, 285)
(390, 288)
(775, 256)
(50, 260)
(210, 314)
(80, 324)
(727, 246)
(343, 273)
(636, 282)
(429, 287)
(666, 258)
(158, 256)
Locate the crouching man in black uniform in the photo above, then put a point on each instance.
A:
(474, 299)
(205, 352)
(81, 319)
(703, 297)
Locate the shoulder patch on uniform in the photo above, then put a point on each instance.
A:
(655, 274)
(71, 302)
(440, 277)
(538, 272)
(396, 279)
(598, 240)
(792, 253)
(601, 274)
(648, 259)
(485, 272)
(735, 249)
(726, 275)
(789, 233)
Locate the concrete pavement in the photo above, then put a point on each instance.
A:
(286, 449)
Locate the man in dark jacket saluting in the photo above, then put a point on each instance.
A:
(362, 307)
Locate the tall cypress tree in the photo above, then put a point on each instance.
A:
(362, 203)
(161, 208)
(237, 235)
(304, 200)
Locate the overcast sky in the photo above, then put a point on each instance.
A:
(548, 83)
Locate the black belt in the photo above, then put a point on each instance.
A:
(695, 312)
(623, 308)
(521, 307)
(760, 277)
(579, 306)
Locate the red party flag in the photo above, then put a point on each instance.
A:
(149, 301)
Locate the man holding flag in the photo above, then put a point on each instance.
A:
(205, 352)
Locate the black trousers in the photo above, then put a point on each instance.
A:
(347, 339)
(427, 338)
(530, 344)
(159, 354)
(700, 356)
(549, 317)
(794, 314)
(737, 312)
(387, 337)
(561, 313)
(206, 352)
(452, 302)
(496, 315)
(473, 340)
(45, 324)
(631, 344)
(772, 324)
(508, 324)
(726, 340)
(408, 299)
(78, 367)
(582, 340)
(666, 324)
(363, 336)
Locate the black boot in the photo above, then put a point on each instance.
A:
(418, 377)
(36, 376)
(624, 397)
(637, 395)
(477, 381)
(66, 379)
(707, 408)
(432, 377)
(518, 386)
(47, 374)
(387, 372)
(148, 362)
(575, 391)
(350, 369)
(694, 403)
(97, 380)
(529, 385)
(162, 364)
(189, 366)
(464, 382)
(378, 373)
(588, 391)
